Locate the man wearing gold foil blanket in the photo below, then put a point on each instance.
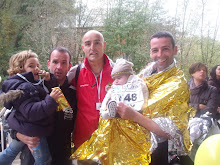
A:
(164, 119)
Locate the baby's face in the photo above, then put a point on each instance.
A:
(120, 79)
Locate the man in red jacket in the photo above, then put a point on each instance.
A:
(93, 81)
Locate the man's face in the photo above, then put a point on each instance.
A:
(93, 46)
(59, 65)
(162, 52)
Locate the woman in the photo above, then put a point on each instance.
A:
(215, 81)
(203, 96)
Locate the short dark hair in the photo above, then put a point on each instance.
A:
(165, 34)
(62, 50)
(197, 66)
(213, 72)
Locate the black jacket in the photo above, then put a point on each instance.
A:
(216, 84)
(60, 140)
(203, 94)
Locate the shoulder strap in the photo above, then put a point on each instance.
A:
(2, 112)
(77, 73)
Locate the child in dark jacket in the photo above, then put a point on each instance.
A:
(32, 106)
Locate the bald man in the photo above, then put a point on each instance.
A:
(93, 81)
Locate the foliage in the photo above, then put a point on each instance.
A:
(52, 25)
(8, 35)
(128, 27)
(126, 24)
(124, 29)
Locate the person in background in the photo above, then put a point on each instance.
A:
(93, 81)
(203, 98)
(26, 92)
(167, 114)
(59, 142)
(214, 80)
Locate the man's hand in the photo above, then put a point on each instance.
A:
(56, 93)
(29, 141)
(126, 112)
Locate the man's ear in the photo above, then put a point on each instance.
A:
(70, 65)
(105, 44)
(175, 50)
(48, 64)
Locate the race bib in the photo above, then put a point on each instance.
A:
(130, 94)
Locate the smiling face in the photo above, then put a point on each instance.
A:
(93, 46)
(59, 65)
(32, 65)
(162, 52)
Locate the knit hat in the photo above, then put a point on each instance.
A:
(122, 67)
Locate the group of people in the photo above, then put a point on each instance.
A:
(204, 98)
(35, 110)
(112, 115)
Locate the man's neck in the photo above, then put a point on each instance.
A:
(96, 67)
(167, 68)
(61, 82)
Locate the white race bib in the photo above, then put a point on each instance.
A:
(130, 94)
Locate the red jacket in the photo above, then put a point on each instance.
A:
(87, 97)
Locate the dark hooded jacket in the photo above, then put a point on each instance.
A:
(60, 140)
(216, 84)
(203, 94)
(32, 113)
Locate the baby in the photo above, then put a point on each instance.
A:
(127, 88)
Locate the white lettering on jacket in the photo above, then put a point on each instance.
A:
(85, 85)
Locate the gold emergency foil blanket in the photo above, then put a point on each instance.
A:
(63, 103)
(116, 141)
(169, 96)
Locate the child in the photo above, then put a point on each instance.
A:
(127, 88)
(33, 109)
(119, 141)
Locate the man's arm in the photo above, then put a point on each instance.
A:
(127, 112)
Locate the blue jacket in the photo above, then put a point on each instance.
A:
(32, 113)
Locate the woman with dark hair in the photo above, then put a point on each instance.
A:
(215, 81)
(203, 98)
